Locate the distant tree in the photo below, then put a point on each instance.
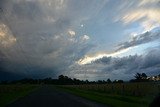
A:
(47, 80)
(144, 76)
(76, 81)
(104, 81)
(101, 81)
(109, 81)
(115, 81)
(138, 76)
(120, 81)
(65, 80)
(61, 77)
(132, 80)
(86, 82)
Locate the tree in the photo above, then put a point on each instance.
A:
(99, 81)
(109, 81)
(138, 76)
(144, 76)
(120, 81)
(61, 77)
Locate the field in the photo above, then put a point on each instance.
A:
(117, 95)
(10, 93)
(112, 95)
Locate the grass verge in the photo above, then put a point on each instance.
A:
(109, 99)
(10, 93)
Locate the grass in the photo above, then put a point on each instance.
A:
(10, 93)
(115, 98)
(113, 95)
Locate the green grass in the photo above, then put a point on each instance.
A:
(10, 93)
(108, 98)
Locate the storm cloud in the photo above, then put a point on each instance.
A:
(120, 67)
(46, 38)
(34, 37)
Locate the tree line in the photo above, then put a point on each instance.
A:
(65, 80)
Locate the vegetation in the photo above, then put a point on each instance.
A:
(140, 78)
(10, 93)
(65, 80)
(62, 80)
(117, 95)
(138, 92)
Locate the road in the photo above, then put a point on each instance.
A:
(48, 96)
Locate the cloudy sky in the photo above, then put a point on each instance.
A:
(84, 39)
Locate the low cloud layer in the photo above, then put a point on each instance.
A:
(119, 68)
(123, 47)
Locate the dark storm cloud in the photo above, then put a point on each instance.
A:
(35, 39)
(41, 46)
(152, 59)
(149, 63)
(120, 67)
(27, 10)
(104, 60)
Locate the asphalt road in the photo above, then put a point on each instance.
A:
(48, 96)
